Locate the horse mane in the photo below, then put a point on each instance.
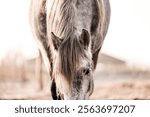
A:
(62, 22)
(63, 25)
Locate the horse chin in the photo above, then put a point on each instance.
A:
(61, 96)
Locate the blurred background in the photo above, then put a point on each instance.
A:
(123, 70)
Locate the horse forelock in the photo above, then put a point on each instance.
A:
(71, 54)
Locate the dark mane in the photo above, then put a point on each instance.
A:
(70, 52)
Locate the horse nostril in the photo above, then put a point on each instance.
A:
(86, 71)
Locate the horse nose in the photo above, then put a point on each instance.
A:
(86, 71)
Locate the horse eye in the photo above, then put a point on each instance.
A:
(86, 71)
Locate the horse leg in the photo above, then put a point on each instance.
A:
(54, 93)
(38, 72)
(95, 58)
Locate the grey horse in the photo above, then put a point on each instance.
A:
(70, 34)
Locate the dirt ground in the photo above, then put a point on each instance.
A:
(111, 82)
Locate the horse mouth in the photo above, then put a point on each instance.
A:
(61, 97)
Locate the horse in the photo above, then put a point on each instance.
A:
(70, 34)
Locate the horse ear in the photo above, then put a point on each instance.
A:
(56, 41)
(85, 38)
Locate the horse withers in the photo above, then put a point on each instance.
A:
(70, 34)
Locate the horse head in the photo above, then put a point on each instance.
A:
(72, 67)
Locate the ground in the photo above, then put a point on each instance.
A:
(111, 82)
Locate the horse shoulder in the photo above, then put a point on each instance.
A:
(37, 18)
(100, 23)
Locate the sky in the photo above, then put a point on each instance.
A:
(129, 32)
(128, 36)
